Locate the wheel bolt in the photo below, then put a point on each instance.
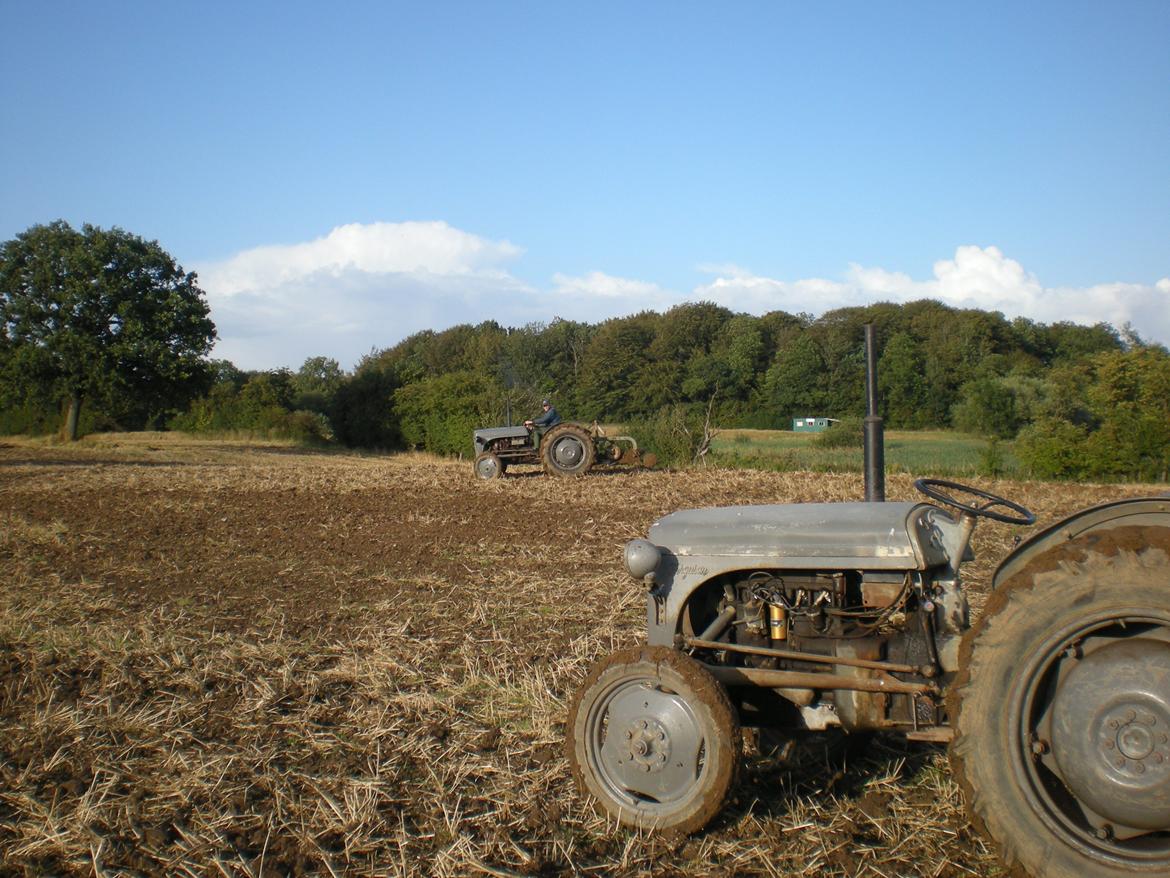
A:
(1109, 745)
(1120, 763)
(1104, 832)
(1139, 768)
(1039, 747)
(1130, 716)
(1114, 724)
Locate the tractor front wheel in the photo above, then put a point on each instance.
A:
(653, 738)
(488, 466)
(1062, 710)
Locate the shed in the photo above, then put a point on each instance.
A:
(812, 425)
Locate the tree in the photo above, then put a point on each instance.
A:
(987, 407)
(1109, 418)
(615, 382)
(362, 411)
(99, 315)
(794, 385)
(900, 379)
(315, 383)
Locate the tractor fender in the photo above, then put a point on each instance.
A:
(1137, 512)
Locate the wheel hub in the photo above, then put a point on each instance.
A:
(1136, 741)
(568, 452)
(1111, 732)
(649, 744)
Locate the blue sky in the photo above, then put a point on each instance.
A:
(342, 177)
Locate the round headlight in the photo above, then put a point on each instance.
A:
(642, 558)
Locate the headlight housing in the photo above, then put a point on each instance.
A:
(642, 558)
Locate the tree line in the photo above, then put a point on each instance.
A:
(105, 317)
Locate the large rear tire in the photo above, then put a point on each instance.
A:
(567, 450)
(653, 738)
(1062, 710)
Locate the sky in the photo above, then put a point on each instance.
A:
(342, 177)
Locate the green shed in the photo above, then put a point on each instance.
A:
(812, 425)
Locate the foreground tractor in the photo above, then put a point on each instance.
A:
(853, 617)
(564, 450)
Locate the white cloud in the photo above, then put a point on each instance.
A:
(365, 287)
(599, 285)
(977, 277)
(378, 248)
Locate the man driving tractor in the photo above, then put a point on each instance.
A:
(541, 423)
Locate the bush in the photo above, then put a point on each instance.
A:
(991, 459)
(1053, 449)
(677, 435)
(362, 410)
(987, 408)
(261, 407)
(846, 433)
(440, 414)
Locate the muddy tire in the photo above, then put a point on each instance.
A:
(654, 740)
(488, 466)
(567, 450)
(1062, 710)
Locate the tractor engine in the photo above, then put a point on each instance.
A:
(831, 624)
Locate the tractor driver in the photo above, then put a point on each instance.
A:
(541, 423)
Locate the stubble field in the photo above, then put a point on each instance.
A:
(221, 659)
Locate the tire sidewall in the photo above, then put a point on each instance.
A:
(1010, 648)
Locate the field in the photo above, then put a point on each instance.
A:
(921, 452)
(223, 659)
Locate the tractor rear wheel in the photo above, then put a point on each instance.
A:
(653, 738)
(567, 450)
(1062, 710)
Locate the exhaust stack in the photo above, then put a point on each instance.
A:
(874, 434)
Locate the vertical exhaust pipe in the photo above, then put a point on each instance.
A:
(874, 434)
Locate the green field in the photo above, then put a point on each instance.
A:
(920, 453)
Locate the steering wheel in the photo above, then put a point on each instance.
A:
(931, 488)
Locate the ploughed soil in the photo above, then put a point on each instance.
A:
(230, 659)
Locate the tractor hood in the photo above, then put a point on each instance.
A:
(894, 536)
(486, 436)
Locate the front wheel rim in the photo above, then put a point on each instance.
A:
(646, 746)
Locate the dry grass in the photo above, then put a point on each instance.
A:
(243, 660)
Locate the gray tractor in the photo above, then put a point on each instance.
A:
(852, 617)
(567, 449)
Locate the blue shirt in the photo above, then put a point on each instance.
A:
(548, 419)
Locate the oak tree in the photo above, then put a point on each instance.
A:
(100, 315)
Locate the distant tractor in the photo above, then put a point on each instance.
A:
(564, 450)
